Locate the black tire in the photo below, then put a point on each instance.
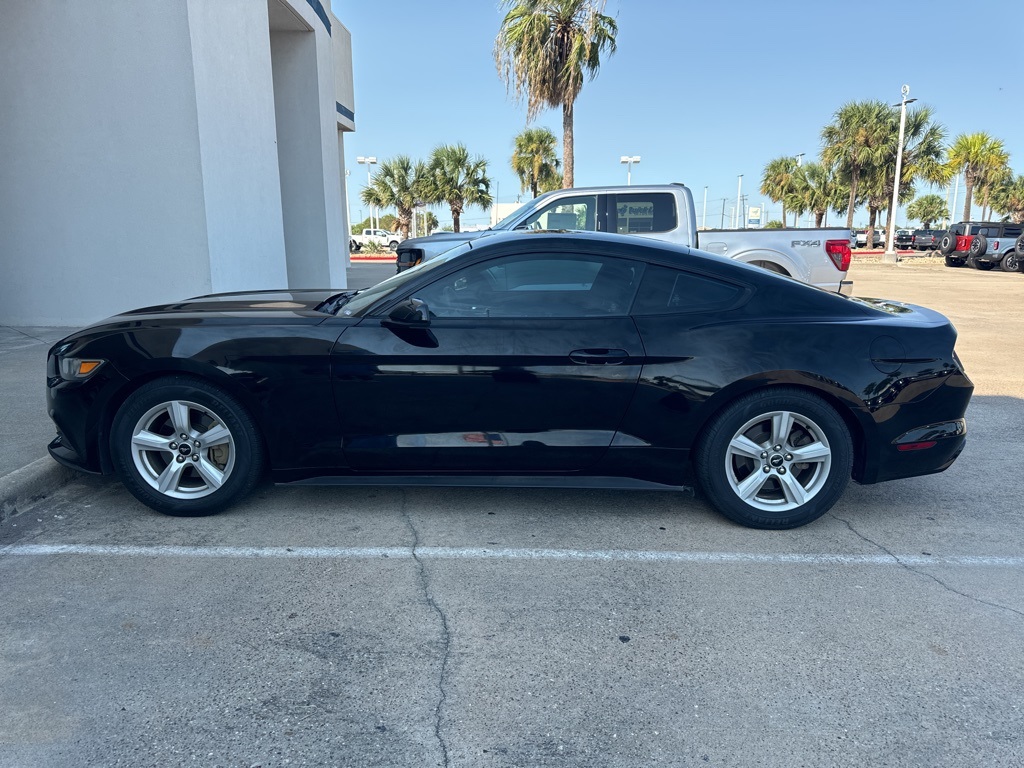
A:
(951, 261)
(722, 472)
(210, 477)
(353, 246)
(1010, 262)
(983, 266)
(979, 244)
(393, 246)
(947, 245)
(1019, 247)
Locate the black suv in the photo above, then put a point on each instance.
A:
(927, 239)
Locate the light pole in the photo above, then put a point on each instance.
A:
(368, 162)
(629, 160)
(739, 191)
(890, 250)
(800, 159)
(704, 219)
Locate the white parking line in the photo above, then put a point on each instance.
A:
(477, 553)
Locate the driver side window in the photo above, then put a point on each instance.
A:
(538, 285)
(578, 212)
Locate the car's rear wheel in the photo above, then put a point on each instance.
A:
(1010, 263)
(185, 447)
(775, 459)
(975, 263)
(953, 262)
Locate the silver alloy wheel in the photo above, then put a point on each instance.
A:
(778, 461)
(183, 449)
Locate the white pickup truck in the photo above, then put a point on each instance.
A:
(664, 212)
(382, 237)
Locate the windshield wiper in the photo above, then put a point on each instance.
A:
(336, 302)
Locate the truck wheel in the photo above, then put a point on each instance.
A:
(978, 246)
(953, 262)
(393, 245)
(775, 459)
(947, 244)
(1010, 263)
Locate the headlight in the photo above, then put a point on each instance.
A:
(76, 368)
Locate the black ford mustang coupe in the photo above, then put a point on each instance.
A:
(541, 359)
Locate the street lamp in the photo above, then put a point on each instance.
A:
(368, 162)
(629, 161)
(890, 249)
(739, 192)
(800, 158)
(704, 219)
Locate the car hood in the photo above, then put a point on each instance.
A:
(287, 301)
(452, 238)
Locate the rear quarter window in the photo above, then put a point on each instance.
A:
(666, 291)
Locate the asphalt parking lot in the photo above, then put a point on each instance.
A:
(472, 627)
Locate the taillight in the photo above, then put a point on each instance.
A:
(839, 252)
(995, 245)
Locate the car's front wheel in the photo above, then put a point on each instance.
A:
(185, 447)
(775, 459)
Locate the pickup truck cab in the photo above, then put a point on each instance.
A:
(982, 245)
(663, 212)
(380, 236)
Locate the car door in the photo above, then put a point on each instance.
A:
(528, 364)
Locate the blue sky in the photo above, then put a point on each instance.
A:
(702, 92)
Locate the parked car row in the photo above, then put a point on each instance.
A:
(984, 245)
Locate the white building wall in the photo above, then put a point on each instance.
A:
(238, 143)
(101, 203)
(139, 156)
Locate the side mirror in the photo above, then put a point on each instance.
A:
(413, 313)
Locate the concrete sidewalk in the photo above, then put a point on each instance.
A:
(26, 471)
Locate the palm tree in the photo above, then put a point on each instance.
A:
(854, 143)
(922, 155)
(398, 184)
(779, 180)
(545, 49)
(535, 162)
(975, 155)
(928, 209)
(453, 177)
(821, 190)
(1008, 199)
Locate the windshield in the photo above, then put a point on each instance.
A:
(358, 303)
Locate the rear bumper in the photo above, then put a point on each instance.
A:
(929, 446)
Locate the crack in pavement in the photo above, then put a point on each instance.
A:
(445, 632)
(917, 572)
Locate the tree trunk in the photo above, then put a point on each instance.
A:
(818, 218)
(456, 216)
(568, 166)
(968, 191)
(853, 196)
(533, 186)
(783, 215)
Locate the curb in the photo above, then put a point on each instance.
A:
(30, 483)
